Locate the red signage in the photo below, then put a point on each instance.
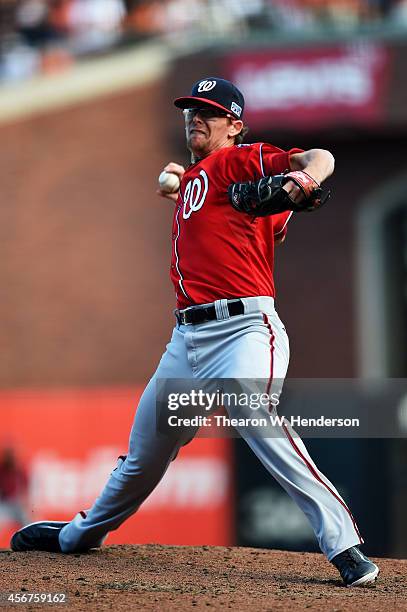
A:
(312, 87)
(69, 441)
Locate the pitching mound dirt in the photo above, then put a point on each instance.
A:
(155, 577)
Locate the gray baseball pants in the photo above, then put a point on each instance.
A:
(253, 345)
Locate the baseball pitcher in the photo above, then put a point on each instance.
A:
(232, 207)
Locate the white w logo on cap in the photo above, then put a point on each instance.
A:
(206, 85)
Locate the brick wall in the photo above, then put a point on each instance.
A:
(84, 244)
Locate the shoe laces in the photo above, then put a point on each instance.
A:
(352, 559)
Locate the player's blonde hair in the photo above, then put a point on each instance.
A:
(242, 134)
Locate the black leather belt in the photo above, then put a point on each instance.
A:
(201, 314)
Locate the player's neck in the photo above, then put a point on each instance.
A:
(197, 156)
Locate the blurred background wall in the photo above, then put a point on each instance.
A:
(86, 243)
(86, 125)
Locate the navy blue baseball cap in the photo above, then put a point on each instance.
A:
(215, 92)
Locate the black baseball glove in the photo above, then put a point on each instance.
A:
(267, 196)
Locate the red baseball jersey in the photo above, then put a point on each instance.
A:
(218, 252)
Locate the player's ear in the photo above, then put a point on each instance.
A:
(235, 127)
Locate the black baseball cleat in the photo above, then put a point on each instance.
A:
(43, 535)
(355, 568)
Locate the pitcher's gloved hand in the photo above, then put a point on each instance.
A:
(268, 196)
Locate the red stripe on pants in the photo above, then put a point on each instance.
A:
(292, 442)
(267, 322)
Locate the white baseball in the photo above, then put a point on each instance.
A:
(169, 182)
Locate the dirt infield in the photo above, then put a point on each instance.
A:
(155, 577)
